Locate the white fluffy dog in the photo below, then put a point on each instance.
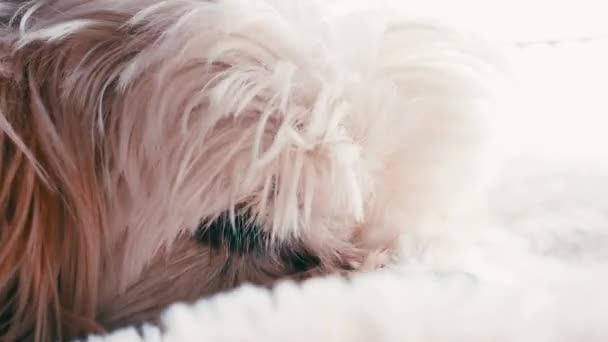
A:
(155, 151)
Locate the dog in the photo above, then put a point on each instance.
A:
(161, 151)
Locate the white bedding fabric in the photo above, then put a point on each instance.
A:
(533, 269)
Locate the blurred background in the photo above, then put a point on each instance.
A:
(558, 52)
(559, 56)
(552, 190)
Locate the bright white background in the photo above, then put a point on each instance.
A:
(559, 55)
(558, 51)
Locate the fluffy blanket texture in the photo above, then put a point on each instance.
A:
(533, 269)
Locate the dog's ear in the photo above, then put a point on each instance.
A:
(50, 203)
(58, 78)
(32, 222)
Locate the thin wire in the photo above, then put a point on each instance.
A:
(561, 41)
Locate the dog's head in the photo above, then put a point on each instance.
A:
(154, 151)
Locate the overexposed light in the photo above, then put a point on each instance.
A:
(559, 56)
(558, 50)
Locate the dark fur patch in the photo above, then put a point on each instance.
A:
(243, 237)
(246, 237)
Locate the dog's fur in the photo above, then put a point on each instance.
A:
(154, 151)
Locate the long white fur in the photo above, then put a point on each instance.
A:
(331, 128)
(368, 131)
